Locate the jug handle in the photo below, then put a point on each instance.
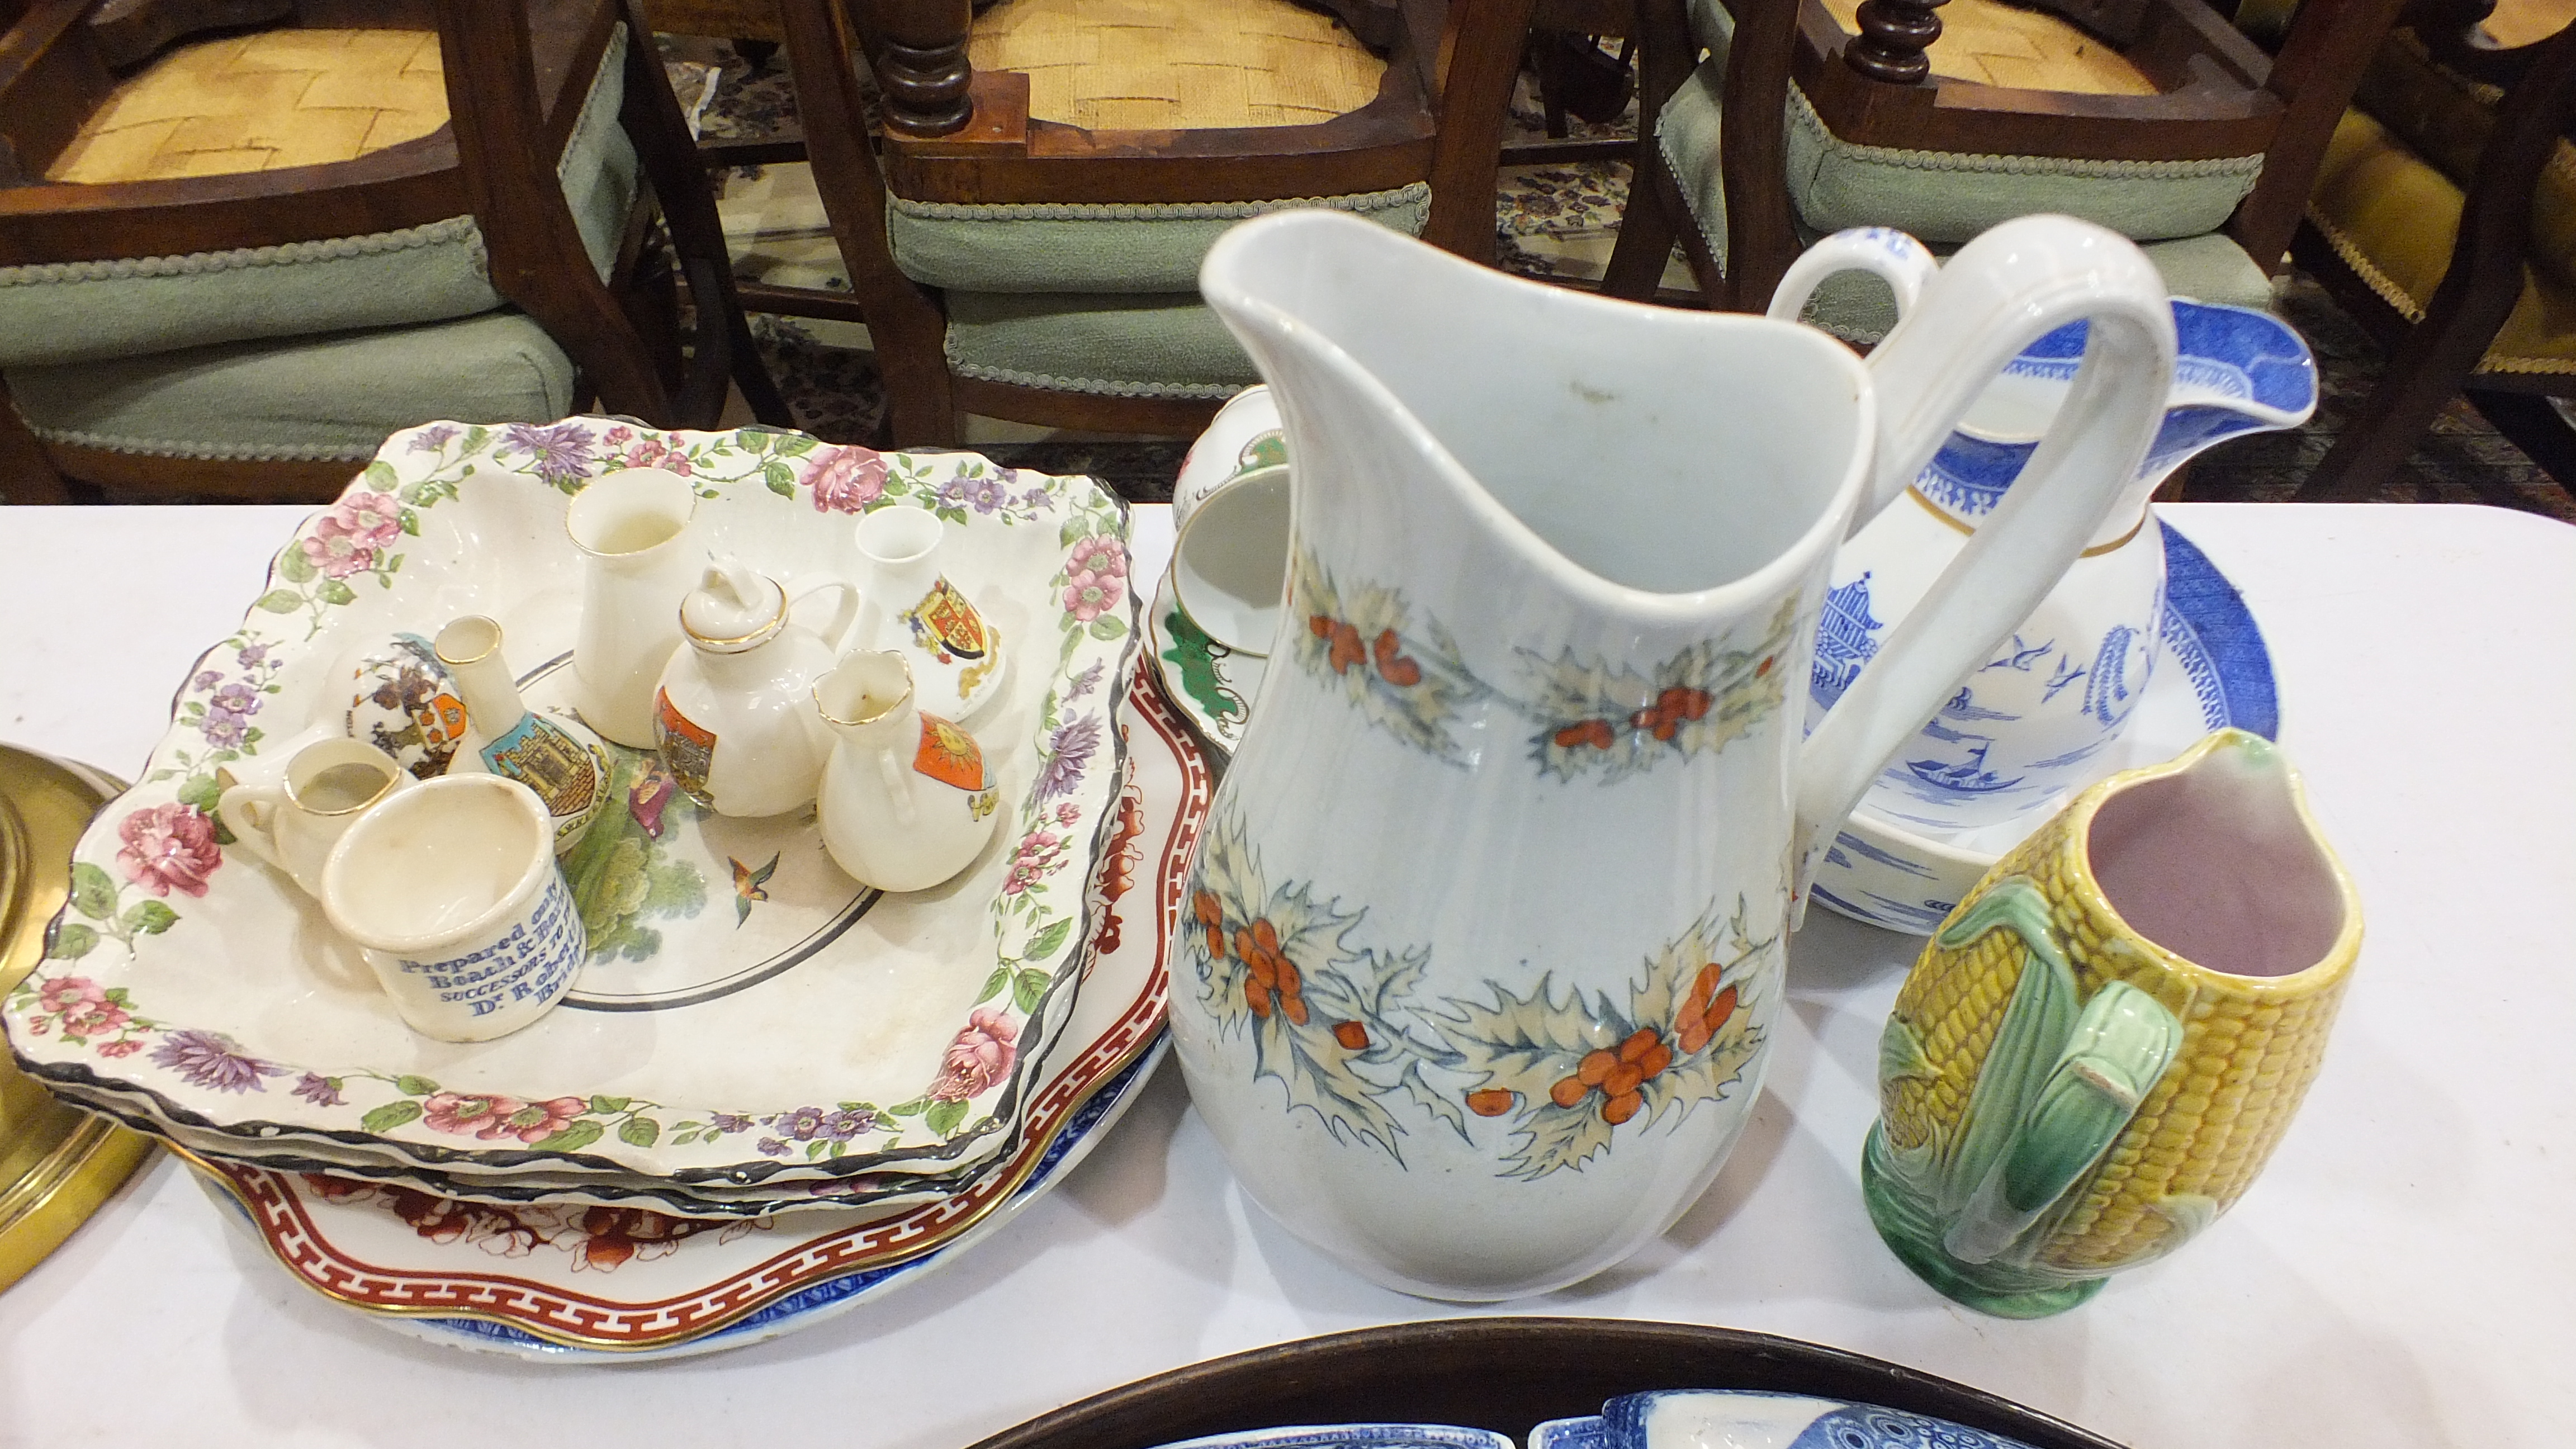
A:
(898, 785)
(250, 812)
(1906, 265)
(2000, 293)
(843, 616)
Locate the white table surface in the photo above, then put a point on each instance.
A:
(2402, 1275)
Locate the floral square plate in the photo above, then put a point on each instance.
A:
(557, 1281)
(1164, 766)
(736, 978)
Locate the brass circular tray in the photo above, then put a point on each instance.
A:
(1508, 1375)
(57, 1163)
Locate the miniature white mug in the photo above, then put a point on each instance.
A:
(451, 891)
(293, 823)
(1230, 515)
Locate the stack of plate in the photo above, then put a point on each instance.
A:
(768, 1079)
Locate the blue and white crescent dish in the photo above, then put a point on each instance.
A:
(1743, 1419)
(1353, 1436)
(2214, 672)
(1587, 1432)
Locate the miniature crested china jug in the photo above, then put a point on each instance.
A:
(912, 608)
(640, 557)
(2099, 1049)
(2025, 725)
(293, 823)
(1488, 921)
(555, 755)
(908, 800)
(734, 718)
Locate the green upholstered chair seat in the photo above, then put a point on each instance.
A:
(1088, 247)
(75, 312)
(1945, 208)
(307, 399)
(1165, 345)
(1941, 196)
(2392, 216)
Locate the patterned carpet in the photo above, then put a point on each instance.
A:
(1554, 222)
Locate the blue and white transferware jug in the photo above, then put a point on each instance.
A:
(2029, 724)
(1484, 939)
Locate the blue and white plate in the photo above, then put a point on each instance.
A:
(2215, 673)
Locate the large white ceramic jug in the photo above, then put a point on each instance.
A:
(1485, 934)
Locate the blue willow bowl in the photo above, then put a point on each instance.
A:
(1740, 1419)
(2027, 727)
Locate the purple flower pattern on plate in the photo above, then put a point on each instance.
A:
(214, 1061)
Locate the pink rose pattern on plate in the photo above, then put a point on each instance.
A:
(979, 1058)
(171, 848)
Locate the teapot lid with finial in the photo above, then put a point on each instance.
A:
(734, 608)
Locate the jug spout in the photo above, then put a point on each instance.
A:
(2217, 860)
(1443, 401)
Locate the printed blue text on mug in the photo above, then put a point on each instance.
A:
(534, 961)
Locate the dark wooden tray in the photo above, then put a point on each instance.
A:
(1505, 1374)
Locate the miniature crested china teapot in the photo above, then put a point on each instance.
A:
(555, 755)
(2026, 725)
(908, 800)
(1489, 919)
(733, 717)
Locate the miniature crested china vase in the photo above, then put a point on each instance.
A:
(2101, 1046)
(554, 755)
(1485, 935)
(907, 798)
(2026, 725)
(912, 608)
(734, 718)
(640, 557)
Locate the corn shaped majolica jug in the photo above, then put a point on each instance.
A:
(2102, 1045)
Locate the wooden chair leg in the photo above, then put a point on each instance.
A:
(2396, 415)
(2479, 288)
(26, 474)
(1647, 230)
(2529, 422)
(906, 328)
